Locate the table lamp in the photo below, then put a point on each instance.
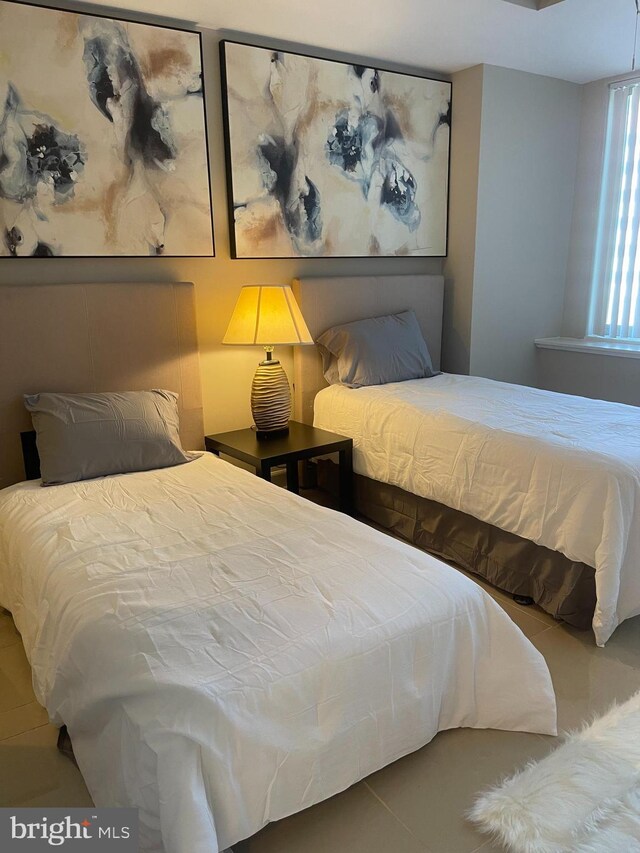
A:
(268, 315)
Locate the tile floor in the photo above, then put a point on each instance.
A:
(413, 806)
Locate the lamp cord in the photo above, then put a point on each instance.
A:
(635, 38)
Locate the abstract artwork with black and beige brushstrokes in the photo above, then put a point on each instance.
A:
(103, 148)
(328, 158)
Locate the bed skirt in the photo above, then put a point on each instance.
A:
(563, 588)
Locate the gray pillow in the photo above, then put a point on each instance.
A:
(375, 351)
(82, 436)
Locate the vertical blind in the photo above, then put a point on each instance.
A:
(616, 286)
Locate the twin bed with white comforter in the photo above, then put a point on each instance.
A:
(536, 492)
(225, 653)
(561, 471)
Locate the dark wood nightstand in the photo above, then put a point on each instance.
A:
(301, 442)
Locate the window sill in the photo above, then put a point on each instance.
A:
(619, 350)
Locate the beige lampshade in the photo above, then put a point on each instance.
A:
(267, 315)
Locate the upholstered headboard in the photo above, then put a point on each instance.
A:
(326, 302)
(95, 337)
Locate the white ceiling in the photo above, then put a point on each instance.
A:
(578, 40)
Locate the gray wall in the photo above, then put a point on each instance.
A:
(508, 258)
(588, 374)
(226, 371)
(530, 127)
(463, 214)
(585, 210)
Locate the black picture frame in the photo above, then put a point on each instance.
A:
(379, 67)
(203, 92)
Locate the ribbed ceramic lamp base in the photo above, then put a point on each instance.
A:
(270, 397)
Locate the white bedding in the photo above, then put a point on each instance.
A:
(225, 653)
(559, 470)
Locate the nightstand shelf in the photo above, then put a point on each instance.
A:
(300, 443)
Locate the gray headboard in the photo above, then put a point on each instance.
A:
(95, 337)
(326, 302)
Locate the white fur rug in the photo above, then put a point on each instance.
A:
(583, 798)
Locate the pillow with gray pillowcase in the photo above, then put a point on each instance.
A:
(375, 351)
(83, 436)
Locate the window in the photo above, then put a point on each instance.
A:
(615, 312)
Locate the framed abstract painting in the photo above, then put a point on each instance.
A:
(103, 137)
(329, 159)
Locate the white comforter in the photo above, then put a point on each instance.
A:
(559, 470)
(225, 653)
